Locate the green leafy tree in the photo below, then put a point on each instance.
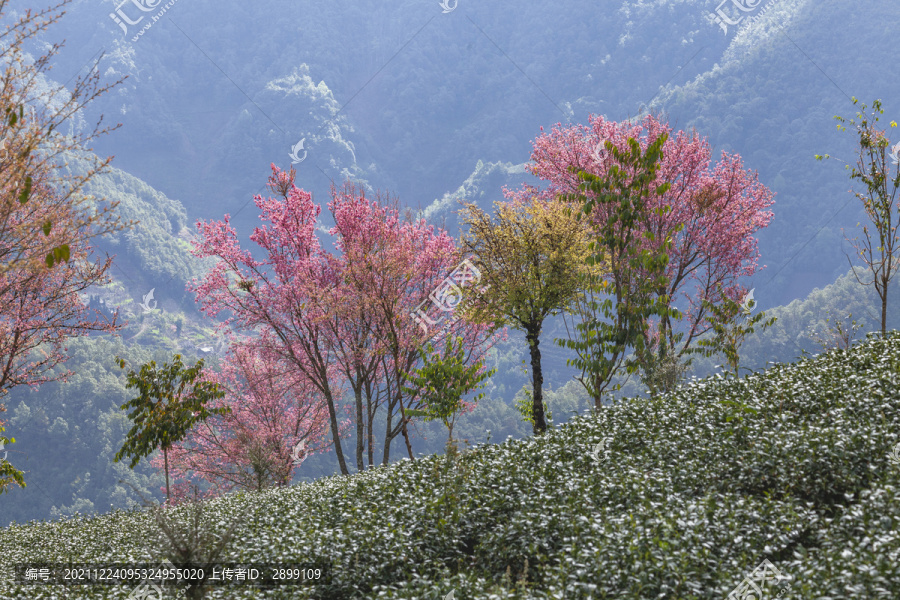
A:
(625, 190)
(166, 409)
(729, 333)
(442, 381)
(872, 169)
(8, 474)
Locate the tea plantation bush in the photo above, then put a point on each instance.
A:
(686, 496)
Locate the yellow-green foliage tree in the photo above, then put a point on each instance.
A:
(533, 260)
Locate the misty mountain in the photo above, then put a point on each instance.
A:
(440, 107)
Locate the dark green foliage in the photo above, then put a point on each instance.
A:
(8, 473)
(443, 380)
(697, 488)
(166, 408)
(58, 255)
(729, 337)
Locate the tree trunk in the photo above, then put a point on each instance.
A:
(166, 458)
(387, 436)
(371, 436)
(406, 438)
(395, 399)
(403, 420)
(537, 381)
(360, 431)
(335, 433)
(403, 429)
(449, 435)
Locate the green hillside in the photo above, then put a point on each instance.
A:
(155, 251)
(682, 496)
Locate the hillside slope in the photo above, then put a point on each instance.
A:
(682, 496)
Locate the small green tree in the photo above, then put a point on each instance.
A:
(635, 273)
(525, 406)
(166, 409)
(839, 335)
(662, 372)
(442, 381)
(8, 473)
(729, 332)
(882, 257)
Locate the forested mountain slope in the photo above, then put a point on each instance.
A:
(410, 99)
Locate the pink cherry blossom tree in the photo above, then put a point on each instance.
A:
(390, 267)
(277, 419)
(720, 204)
(335, 319)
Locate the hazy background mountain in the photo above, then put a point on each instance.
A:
(434, 108)
(409, 100)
